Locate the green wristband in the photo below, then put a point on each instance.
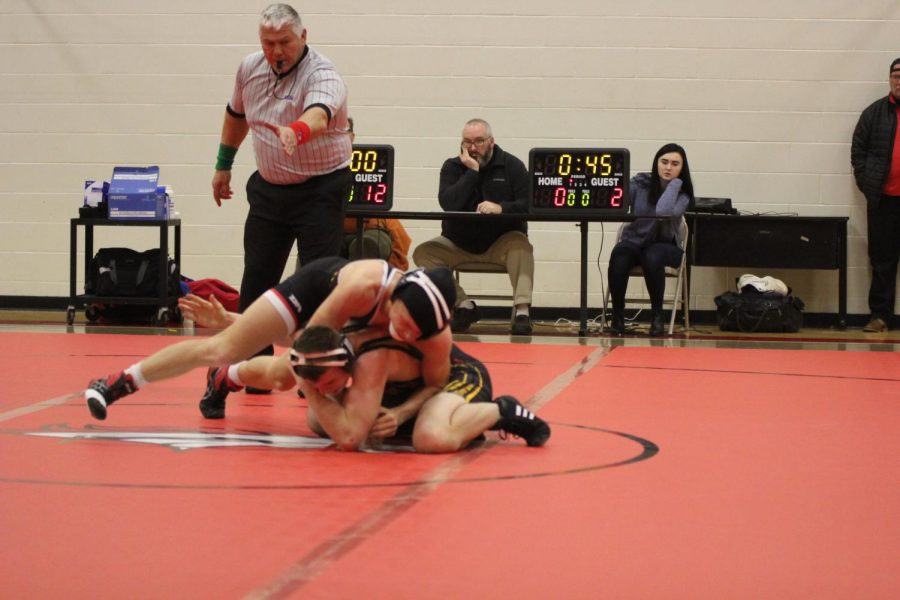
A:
(225, 158)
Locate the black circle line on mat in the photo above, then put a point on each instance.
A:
(648, 451)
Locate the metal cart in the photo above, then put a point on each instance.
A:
(163, 301)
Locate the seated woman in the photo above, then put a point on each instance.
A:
(652, 244)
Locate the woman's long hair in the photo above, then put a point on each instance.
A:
(687, 186)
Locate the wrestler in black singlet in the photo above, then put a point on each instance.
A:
(469, 378)
(300, 295)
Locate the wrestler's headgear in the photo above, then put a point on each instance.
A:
(311, 364)
(429, 295)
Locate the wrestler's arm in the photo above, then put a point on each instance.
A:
(436, 358)
(268, 372)
(206, 313)
(435, 374)
(351, 298)
(390, 419)
(349, 420)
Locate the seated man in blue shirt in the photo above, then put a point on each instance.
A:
(483, 179)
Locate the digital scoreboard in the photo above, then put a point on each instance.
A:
(372, 168)
(579, 180)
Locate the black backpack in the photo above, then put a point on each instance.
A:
(129, 273)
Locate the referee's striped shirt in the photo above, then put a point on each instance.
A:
(262, 97)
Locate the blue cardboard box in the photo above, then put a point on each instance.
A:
(133, 194)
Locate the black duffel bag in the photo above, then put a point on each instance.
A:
(129, 273)
(759, 312)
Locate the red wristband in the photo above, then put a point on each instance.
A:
(302, 131)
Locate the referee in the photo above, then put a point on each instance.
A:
(295, 102)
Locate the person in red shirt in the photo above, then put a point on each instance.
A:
(875, 157)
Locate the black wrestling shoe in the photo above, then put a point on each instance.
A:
(103, 392)
(212, 405)
(517, 420)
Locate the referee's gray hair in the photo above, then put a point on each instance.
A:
(487, 126)
(276, 16)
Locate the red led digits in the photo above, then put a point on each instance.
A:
(372, 168)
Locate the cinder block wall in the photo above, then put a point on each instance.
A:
(764, 96)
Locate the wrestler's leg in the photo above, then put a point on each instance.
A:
(313, 423)
(268, 372)
(255, 329)
(446, 422)
(262, 372)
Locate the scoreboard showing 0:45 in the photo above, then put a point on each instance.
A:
(587, 181)
(372, 168)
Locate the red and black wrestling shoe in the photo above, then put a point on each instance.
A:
(103, 392)
(212, 405)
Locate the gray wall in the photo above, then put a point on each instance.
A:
(763, 95)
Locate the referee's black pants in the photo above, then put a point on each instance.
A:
(311, 212)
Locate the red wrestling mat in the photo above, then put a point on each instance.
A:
(775, 477)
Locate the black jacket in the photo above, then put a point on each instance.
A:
(503, 180)
(873, 147)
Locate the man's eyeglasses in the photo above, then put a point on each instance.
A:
(477, 142)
